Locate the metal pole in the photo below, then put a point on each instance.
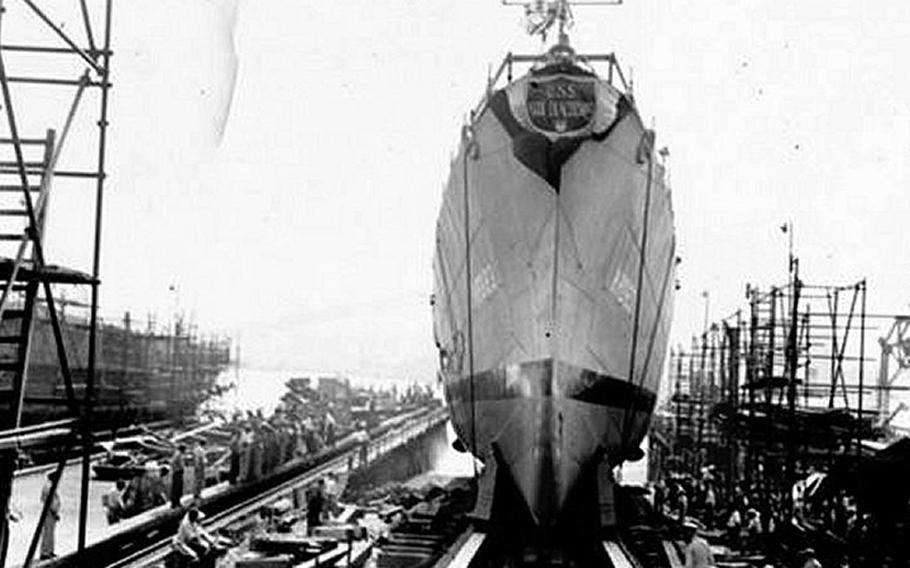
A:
(690, 430)
(707, 296)
(66, 39)
(96, 270)
(832, 308)
(751, 368)
(862, 365)
(733, 369)
(46, 506)
(7, 458)
(86, 20)
(791, 389)
(769, 363)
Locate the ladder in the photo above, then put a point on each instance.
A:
(26, 175)
(18, 287)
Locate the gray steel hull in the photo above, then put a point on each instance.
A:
(543, 374)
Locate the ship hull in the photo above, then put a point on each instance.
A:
(552, 359)
(140, 376)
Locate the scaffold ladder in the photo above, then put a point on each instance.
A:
(53, 34)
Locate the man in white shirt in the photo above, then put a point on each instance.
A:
(698, 552)
(112, 501)
(191, 539)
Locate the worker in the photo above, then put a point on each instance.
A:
(734, 526)
(753, 530)
(682, 504)
(178, 466)
(660, 496)
(256, 454)
(236, 450)
(331, 491)
(808, 559)
(330, 425)
(698, 553)
(157, 487)
(710, 504)
(49, 495)
(364, 451)
(246, 454)
(198, 468)
(112, 501)
(314, 505)
(192, 541)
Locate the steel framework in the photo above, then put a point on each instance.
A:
(781, 387)
(894, 365)
(49, 60)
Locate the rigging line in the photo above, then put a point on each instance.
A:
(470, 146)
(645, 152)
(660, 309)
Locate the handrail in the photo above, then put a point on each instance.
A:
(511, 58)
(415, 422)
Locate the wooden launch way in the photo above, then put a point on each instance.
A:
(147, 540)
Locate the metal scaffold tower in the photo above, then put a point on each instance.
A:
(894, 367)
(55, 79)
(783, 389)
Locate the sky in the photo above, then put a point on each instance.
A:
(276, 167)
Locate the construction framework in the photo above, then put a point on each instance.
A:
(50, 62)
(781, 388)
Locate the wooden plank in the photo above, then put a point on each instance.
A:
(464, 551)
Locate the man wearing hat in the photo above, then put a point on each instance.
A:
(698, 553)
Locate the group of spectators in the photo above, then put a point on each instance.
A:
(156, 484)
(257, 447)
(734, 514)
(260, 445)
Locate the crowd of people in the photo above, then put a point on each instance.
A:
(734, 515)
(303, 425)
(258, 446)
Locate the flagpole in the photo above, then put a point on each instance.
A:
(707, 296)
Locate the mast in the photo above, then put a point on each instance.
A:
(543, 15)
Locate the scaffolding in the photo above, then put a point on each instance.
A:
(782, 388)
(894, 367)
(51, 66)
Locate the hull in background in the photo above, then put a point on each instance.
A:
(142, 375)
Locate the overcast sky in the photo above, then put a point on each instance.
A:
(281, 162)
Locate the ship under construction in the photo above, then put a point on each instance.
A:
(145, 373)
(554, 271)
